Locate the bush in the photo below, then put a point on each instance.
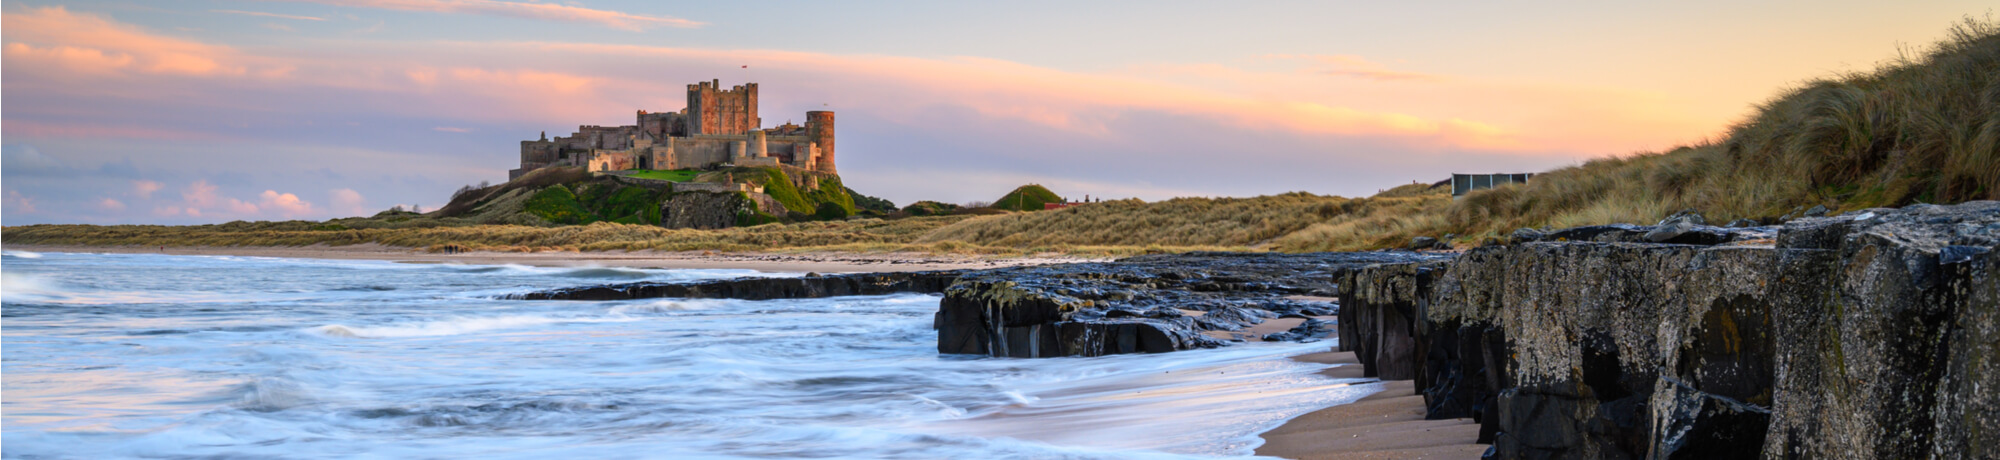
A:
(831, 211)
(929, 208)
(558, 205)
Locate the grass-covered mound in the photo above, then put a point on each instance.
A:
(929, 208)
(1029, 197)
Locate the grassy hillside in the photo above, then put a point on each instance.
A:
(1029, 197)
(1923, 128)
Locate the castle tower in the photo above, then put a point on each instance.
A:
(819, 126)
(713, 110)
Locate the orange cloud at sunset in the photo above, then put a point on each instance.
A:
(90, 44)
(525, 10)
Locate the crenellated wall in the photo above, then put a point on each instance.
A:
(719, 126)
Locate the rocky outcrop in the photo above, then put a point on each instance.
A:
(1865, 335)
(811, 286)
(704, 210)
(1135, 305)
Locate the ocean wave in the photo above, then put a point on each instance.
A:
(665, 306)
(270, 395)
(448, 327)
(21, 254)
(23, 287)
(606, 273)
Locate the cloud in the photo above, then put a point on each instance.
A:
(167, 211)
(200, 194)
(144, 188)
(26, 160)
(285, 204)
(537, 11)
(1345, 65)
(346, 201)
(109, 204)
(16, 202)
(201, 198)
(92, 45)
(278, 27)
(269, 15)
(448, 129)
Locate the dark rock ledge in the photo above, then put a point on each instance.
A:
(811, 286)
(1867, 335)
(1134, 305)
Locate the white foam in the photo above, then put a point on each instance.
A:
(21, 254)
(448, 327)
(20, 287)
(665, 306)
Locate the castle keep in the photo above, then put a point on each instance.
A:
(719, 126)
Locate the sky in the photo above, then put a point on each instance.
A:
(198, 111)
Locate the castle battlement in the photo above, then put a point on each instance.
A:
(718, 126)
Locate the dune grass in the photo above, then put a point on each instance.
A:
(1921, 128)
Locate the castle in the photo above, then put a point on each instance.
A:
(718, 127)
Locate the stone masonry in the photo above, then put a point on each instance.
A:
(718, 126)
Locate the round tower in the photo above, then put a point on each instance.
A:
(819, 126)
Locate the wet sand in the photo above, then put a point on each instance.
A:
(797, 262)
(1385, 425)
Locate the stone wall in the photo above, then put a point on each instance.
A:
(1868, 335)
(713, 110)
(819, 125)
(719, 126)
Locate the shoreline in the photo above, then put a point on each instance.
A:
(818, 262)
(1386, 425)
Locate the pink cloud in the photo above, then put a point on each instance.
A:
(201, 197)
(284, 204)
(200, 194)
(537, 11)
(29, 128)
(91, 44)
(166, 211)
(144, 188)
(346, 201)
(1346, 65)
(19, 203)
(109, 204)
(270, 15)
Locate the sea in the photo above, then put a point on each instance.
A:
(152, 356)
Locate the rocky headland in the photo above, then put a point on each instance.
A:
(1865, 335)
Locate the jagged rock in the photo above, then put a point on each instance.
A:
(1071, 309)
(1866, 335)
(1816, 211)
(1309, 331)
(761, 288)
(1601, 233)
(1524, 235)
(1742, 223)
(1674, 226)
(1421, 243)
(703, 210)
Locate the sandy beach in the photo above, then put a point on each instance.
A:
(801, 262)
(1385, 425)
